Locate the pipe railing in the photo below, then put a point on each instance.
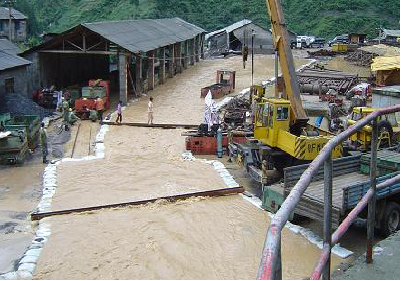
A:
(270, 265)
(346, 223)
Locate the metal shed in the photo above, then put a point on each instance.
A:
(240, 33)
(142, 49)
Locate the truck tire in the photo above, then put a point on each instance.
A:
(390, 222)
(384, 126)
(281, 162)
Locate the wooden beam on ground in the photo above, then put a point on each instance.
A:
(171, 198)
(163, 126)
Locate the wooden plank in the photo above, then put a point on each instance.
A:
(316, 189)
(163, 126)
(171, 198)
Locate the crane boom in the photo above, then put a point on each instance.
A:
(282, 45)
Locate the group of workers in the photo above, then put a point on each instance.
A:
(69, 118)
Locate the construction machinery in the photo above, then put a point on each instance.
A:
(282, 136)
(29, 123)
(13, 147)
(225, 84)
(97, 88)
(388, 132)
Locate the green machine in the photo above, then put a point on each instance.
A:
(29, 123)
(273, 197)
(13, 147)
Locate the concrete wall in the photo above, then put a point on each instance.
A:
(17, 35)
(20, 80)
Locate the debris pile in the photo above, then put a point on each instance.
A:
(234, 112)
(21, 104)
(365, 55)
(321, 53)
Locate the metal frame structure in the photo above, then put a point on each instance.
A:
(270, 265)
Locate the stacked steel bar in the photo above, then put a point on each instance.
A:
(310, 78)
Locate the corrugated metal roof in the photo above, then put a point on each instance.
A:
(8, 47)
(145, 34)
(236, 25)
(229, 28)
(9, 61)
(392, 33)
(4, 14)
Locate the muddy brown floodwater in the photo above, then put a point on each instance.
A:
(200, 238)
(20, 191)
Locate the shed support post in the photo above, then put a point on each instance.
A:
(198, 47)
(186, 53)
(171, 61)
(162, 66)
(202, 46)
(151, 70)
(178, 57)
(122, 72)
(192, 56)
(138, 75)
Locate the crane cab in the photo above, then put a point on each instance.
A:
(271, 116)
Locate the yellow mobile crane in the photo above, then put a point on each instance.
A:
(281, 136)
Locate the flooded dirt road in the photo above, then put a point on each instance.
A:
(20, 191)
(200, 238)
(218, 238)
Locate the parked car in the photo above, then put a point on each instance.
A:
(339, 39)
(318, 43)
(297, 44)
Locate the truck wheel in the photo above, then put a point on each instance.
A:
(383, 127)
(281, 162)
(390, 222)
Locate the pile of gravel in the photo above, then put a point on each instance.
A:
(21, 104)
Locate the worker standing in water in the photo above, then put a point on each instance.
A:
(150, 111)
(99, 108)
(65, 106)
(43, 142)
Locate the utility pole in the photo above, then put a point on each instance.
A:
(10, 3)
(253, 36)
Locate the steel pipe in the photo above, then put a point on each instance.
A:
(272, 244)
(346, 223)
(372, 202)
(328, 202)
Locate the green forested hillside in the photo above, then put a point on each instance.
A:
(313, 17)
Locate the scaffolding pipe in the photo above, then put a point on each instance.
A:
(268, 264)
(346, 223)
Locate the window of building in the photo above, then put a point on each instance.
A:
(9, 85)
(1, 26)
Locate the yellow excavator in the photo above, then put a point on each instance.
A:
(282, 135)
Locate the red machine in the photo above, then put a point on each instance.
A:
(206, 145)
(97, 88)
(225, 84)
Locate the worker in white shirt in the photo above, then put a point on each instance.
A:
(150, 111)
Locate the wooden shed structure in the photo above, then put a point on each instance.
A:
(145, 52)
